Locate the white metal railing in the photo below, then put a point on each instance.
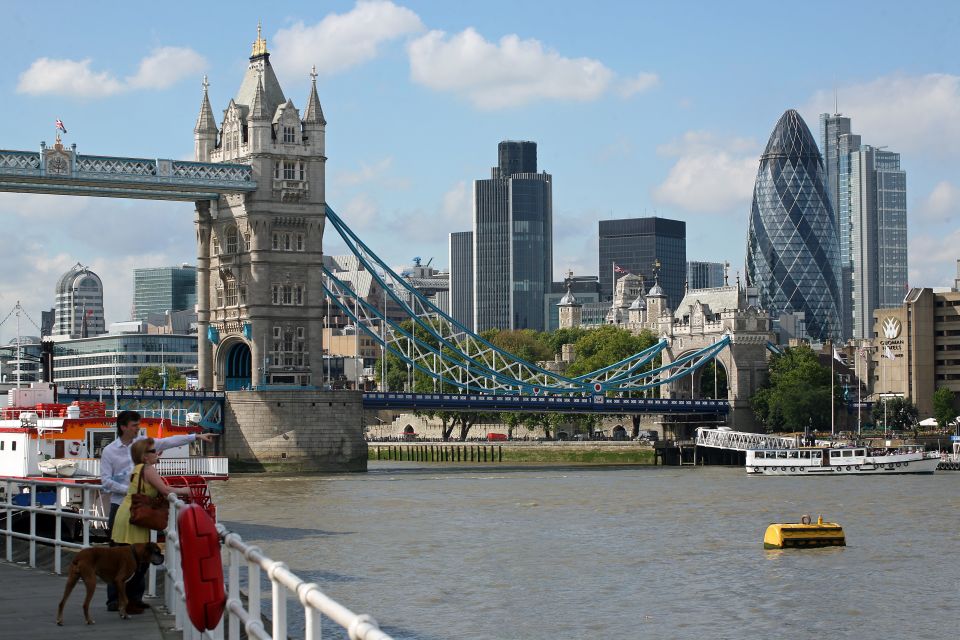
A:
(88, 511)
(205, 466)
(284, 583)
(741, 440)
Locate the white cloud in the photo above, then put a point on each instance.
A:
(361, 212)
(165, 67)
(638, 84)
(161, 69)
(509, 73)
(942, 204)
(710, 175)
(377, 173)
(456, 207)
(343, 40)
(908, 113)
(933, 259)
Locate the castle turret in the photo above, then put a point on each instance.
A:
(571, 311)
(314, 124)
(205, 133)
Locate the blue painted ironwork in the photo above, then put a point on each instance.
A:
(552, 404)
(109, 176)
(209, 404)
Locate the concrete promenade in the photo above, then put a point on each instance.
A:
(28, 609)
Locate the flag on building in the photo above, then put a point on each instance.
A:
(60, 126)
(887, 353)
(839, 357)
(618, 269)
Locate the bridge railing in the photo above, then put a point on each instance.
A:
(284, 584)
(206, 467)
(741, 440)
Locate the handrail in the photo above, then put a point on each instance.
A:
(284, 584)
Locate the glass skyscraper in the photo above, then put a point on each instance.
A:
(705, 275)
(163, 289)
(461, 277)
(793, 253)
(512, 241)
(79, 304)
(635, 244)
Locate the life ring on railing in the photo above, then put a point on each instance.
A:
(804, 519)
(202, 567)
(74, 449)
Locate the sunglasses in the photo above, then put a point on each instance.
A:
(151, 450)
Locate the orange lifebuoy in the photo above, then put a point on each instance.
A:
(75, 447)
(202, 567)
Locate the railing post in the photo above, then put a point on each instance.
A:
(312, 617)
(33, 526)
(279, 602)
(233, 590)
(253, 586)
(152, 571)
(57, 549)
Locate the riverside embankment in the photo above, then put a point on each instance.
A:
(514, 452)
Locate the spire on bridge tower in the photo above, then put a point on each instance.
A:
(259, 45)
(258, 106)
(314, 114)
(205, 133)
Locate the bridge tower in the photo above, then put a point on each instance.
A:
(259, 293)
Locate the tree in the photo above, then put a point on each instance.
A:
(900, 413)
(152, 378)
(943, 409)
(707, 388)
(526, 344)
(605, 346)
(797, 394)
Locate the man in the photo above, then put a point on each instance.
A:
(116, 465)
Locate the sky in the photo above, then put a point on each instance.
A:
(638, 108)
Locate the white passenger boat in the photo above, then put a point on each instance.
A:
(835, 461)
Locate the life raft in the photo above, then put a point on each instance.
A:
(202, 567)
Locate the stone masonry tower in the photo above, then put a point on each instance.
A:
(259, 293)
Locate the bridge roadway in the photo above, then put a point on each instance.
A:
(29, 605)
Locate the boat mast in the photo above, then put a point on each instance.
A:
(19, 347)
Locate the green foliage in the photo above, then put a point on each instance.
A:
(151, 378)
(900, 413)
(943, 409)
(607, 345)
(524, 343)
(797, 394)
(711, 387)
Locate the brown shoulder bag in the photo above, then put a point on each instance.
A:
(146, 511)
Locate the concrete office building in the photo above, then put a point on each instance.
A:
(512, 241)
(705, 275)
(162, 289)
(635, 244)
(78, 311)
(461, 278)
(585, 288)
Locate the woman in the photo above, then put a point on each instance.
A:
(145, 458)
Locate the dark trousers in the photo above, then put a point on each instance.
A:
(137, 585)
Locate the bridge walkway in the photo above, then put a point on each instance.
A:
(28, 610)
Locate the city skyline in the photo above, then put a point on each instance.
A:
(407, 136)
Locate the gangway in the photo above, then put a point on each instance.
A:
(723, 438)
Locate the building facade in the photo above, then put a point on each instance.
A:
(260, 299)
(916, 347)
(635, 245)
(512, 241)
(78, 311)
(116, 359)
(705, 275)
(585, 288)
(793, 252)
(163, 289)
(461, 278)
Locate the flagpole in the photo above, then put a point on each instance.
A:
(833, 412)
(859, 398)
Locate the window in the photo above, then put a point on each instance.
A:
(300, 164)
(13, 445)
(848, 454)
(288, 294)
(834, 454)
(286, 242)
(289, 134)
(300, 243)
(231, 297)
(216, 245)
(243, 294)
(231, 240)
(246, 241)
(276, 241)
(276, 170)
(289, 170)
(298, 295)
(219, 294)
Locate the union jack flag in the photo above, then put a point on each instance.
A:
(60, 125)
(618, 269)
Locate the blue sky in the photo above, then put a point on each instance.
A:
(637, 108)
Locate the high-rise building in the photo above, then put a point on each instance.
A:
(512, 241)
(793, 253)
(585, 288)
(705, 275)
(878, 230)
(461, 278)
(868, 190)
(635, 244)
(78, 311)
(163, 289)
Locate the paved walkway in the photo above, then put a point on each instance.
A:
(28, 610)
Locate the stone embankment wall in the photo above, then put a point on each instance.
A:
(295, 431)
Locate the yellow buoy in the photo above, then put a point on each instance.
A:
(804, 535)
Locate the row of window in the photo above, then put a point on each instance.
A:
(281, 241)
(287, 294)
(289, 170)
(290, 347)
(288, 241)
(13, 445)
(230, 294)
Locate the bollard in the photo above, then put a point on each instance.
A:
(500, 447)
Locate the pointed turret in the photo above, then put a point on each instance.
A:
(258, 106)
(260, 72)
(205, 133)
(314, 114)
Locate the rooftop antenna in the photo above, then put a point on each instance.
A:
(836, 103)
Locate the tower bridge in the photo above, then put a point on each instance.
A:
(257, 182)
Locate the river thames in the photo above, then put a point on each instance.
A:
(610, 552)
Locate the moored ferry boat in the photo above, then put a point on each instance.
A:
(834, 461)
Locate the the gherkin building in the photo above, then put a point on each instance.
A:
(793, 251)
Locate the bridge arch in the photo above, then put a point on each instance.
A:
(236, 364)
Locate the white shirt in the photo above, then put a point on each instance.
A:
(116, 465)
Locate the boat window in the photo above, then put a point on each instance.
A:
(834, 454)
(759, 454)
(805, 455)
(861, 452)
(817, 454)
(781, 454)
(794, 454)
(13, 445)
(848, 454)
(1, 445)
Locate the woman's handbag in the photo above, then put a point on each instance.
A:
(146, 511)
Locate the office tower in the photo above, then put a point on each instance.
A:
(870, 199)
(635, 244)
(163, 289)
(878, 230)
(793, 254)
(78, 312)
(461, 278)
(705, 275)
(512, 241)
(586, 290)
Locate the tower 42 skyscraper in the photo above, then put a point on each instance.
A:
(793, 253)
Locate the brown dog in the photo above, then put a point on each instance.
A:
(112, 565)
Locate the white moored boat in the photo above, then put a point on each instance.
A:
(834, 461)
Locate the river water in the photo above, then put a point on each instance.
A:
(599, 552)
